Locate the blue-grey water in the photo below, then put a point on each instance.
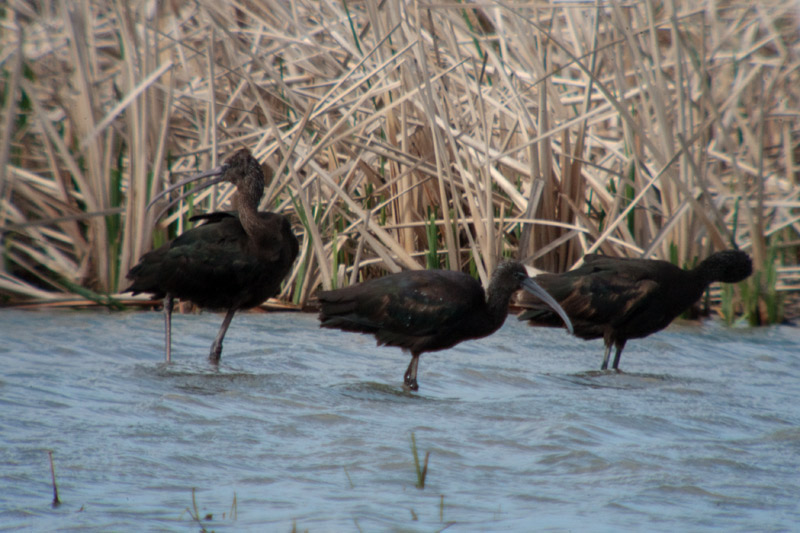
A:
(309, 429)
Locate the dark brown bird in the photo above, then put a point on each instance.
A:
(427, 310)
(620, 299)
(232, 261)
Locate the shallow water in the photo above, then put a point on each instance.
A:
(310, 427)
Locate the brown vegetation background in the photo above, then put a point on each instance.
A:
(402, 134)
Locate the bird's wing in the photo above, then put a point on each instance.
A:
(415, 303)
(613, 299)
(208, 254)
(222, 231)
(427, 304)
(219, 230)
(602, 290)
(274, 236)
(631, 268)
(211, 263)
(200, 257)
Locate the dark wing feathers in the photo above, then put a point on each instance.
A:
(596, 295)
(403, 309)
(621, 298)
(212, 263)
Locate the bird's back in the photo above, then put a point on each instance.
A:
(418, 310)
(620, 297)
(216, 265)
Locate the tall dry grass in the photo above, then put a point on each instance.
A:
(401, 134)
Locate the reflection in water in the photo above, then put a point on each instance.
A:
(372, 391)
(611, 379)
(312, 427)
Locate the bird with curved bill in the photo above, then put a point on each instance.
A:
(428, 310)
(617, 299)
(232, 261)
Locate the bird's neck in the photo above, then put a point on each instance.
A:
(708, 272)
(248, 214)
(249, 191)
(685, 290)
(497, 300)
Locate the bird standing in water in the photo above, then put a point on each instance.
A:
(621, 298)
(233, 261)
(427, 310)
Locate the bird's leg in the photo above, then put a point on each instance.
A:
(617, 355)
(410, 379)
(216, 346)
(605, 356)
(168, 301)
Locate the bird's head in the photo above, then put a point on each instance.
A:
(512, 276)
(727, 266)
(244, 171)
(240, 169)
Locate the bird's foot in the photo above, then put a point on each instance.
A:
(216, 354)
(410, 385)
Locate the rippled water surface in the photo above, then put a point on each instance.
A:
(309, 428)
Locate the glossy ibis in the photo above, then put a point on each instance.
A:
(232, 261)
(620, 298)
(427, 310)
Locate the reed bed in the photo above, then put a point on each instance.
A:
(402, 134)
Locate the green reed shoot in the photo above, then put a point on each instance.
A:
(234, 512)
(335, 259)
(432, 254)
(294, 527)
(56, 502)
(760, 299)
(349, 479)
(727, 303)
(195, 514)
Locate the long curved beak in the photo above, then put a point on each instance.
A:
(218, 171)
(532, 287)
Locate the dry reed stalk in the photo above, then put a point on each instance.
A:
(542, 131)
